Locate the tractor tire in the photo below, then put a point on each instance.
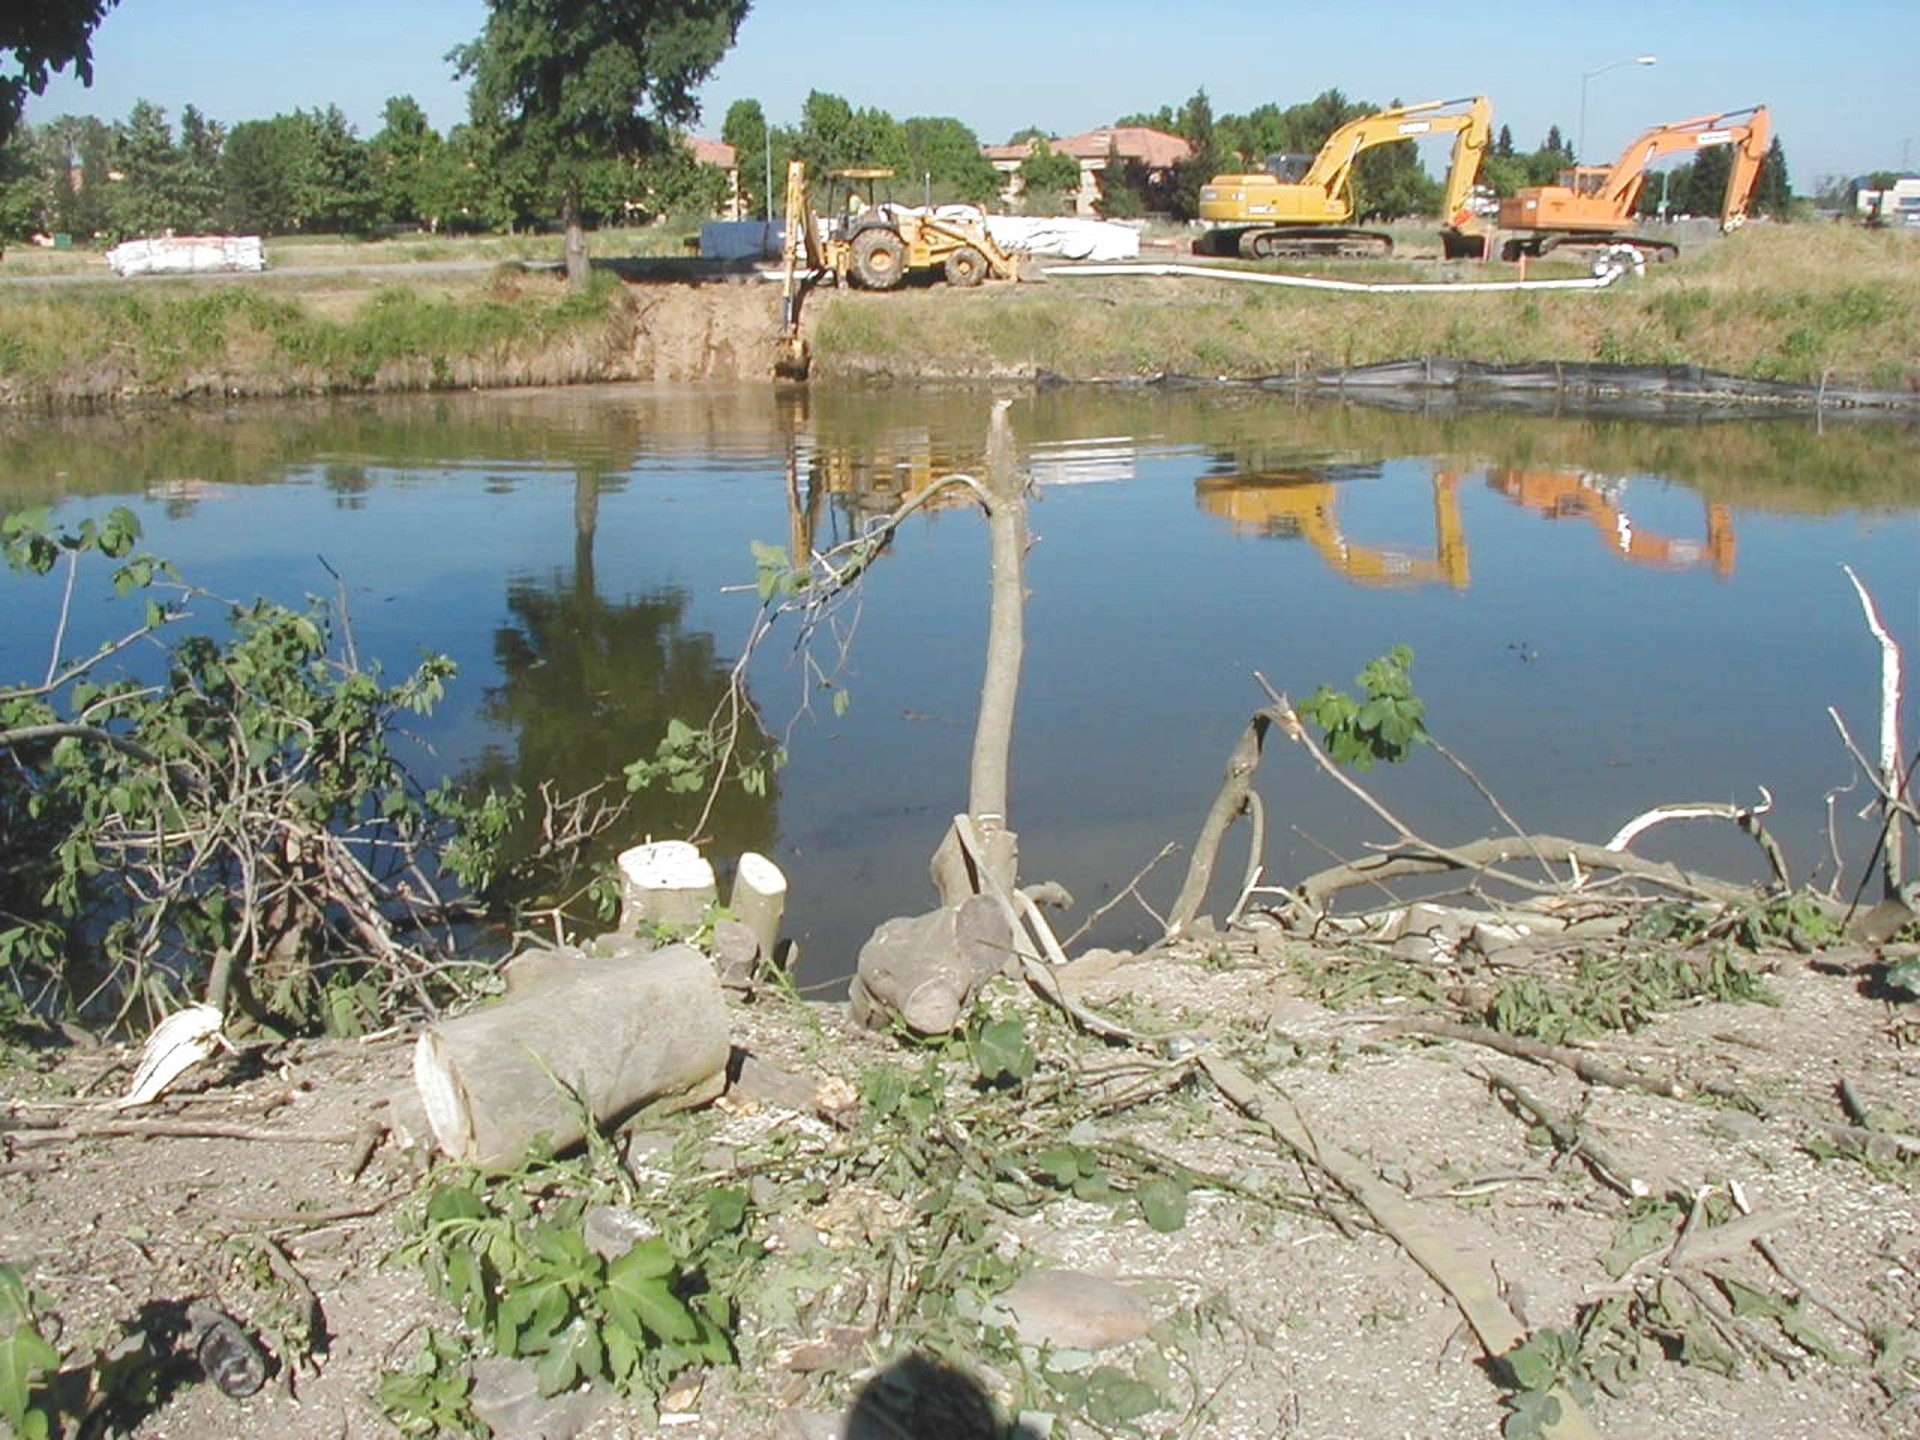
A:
(966, 267)
(879, 259)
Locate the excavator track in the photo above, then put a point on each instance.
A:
(1268, 242)
(1539, 245)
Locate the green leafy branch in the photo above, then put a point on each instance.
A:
(1386, 723)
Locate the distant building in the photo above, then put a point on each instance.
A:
(1898, 204)
(1155, 150)
(723, 156)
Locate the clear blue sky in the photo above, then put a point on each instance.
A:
(1839, 76)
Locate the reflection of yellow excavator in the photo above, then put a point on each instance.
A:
(1305, 503)
(1594, 205)
(1564, 494)
(1302, 203)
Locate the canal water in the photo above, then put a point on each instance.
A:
(1606, 613)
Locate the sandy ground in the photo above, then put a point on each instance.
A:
(248, 1190)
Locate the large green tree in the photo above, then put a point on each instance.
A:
(944, 155)
(746, 130)
(147, 165)
(574, 83)
(305, 171)
(38, 38)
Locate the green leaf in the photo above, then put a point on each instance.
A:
(1163, 1201)
(574, 1355)
(1809, 1337)
(661, 1311)
(25, 1357)
(1001, 1052)
(1065, 1164)
(1749, 1300)
(1114, 1397)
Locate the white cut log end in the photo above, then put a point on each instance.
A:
(665, 865)
(665, 882)
(760, 875)
(760, 899)
(449, 1113)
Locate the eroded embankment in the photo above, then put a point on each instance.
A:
(1787, 318)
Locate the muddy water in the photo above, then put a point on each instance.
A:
(1606, 613)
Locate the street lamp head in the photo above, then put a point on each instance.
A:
(1645, 59)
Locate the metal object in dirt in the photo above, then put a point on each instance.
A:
(231, 1358)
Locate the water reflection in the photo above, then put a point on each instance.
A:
(1304, 504)
(585, 557)
(1601, 501)
(588, 683)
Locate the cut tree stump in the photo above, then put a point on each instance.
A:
(924, 970)
(759, 899)
(666, 882)
(610, 1029)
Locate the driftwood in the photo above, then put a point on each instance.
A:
(595, 1037)
(924, 970)
(1747, 817)
(1410, 860)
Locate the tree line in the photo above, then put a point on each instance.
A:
(309, 171)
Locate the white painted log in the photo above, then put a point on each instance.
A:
(619, 1031)
(759, 899)
(665, 882)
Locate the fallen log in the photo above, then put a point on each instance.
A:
(600, 1036)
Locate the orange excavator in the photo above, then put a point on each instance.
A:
(1574, 494)
(1594, 205)
(1305, 503)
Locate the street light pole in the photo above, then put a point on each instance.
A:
(1580, 153)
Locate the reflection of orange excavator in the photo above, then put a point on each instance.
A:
(1304, 503)
(1594, 205)
(1560, 494)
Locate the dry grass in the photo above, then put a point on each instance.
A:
(1796, 303)
(1809, 304)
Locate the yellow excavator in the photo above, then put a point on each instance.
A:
(1594, 204)
(1304, 503)
(1304, 204)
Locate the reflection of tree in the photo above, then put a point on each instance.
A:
(588, 685)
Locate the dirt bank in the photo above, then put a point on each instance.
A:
(1276, 1305)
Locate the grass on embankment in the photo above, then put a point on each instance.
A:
(1793, 303)
(181, 338)
(1802, 303)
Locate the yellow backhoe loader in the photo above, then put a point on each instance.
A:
(863, 239)
(1304, 204)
